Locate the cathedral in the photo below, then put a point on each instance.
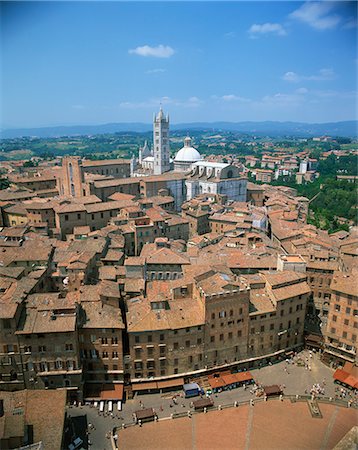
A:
(200, 176)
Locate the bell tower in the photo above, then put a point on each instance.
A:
(161, 143)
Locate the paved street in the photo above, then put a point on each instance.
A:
(295, 379)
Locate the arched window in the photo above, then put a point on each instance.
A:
(229, 173)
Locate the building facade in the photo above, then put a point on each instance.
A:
(161, 143)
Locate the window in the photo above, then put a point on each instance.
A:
(42, 348)
(297, 320)
(272, 326)
(282, 312)
(346, 322)
(344, 335)
(161, 337)
(190, 359)
(69, 347)
(66, 216)
(262, 329)
(150, 338)
(212, 338)
(6, 324)
(337, 307)
(101, 215)
(176, 361)
(136, 339)
(348, 310)
(240, 311)
(222, 314)
(104, 341)
(252, 331)
(334, 318)
(58, 364)
(78, 216)
(239, 333)
(221, 337)
(212, 316)
(150, 351)
(230, 335)
(231, 312)
(333, 330)
(198, 341)
(114, 340)
(176, 346)
(187, 344)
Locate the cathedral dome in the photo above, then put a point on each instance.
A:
(188, 153)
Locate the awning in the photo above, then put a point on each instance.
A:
(144, 386)
(314, 339)
(230, 379)
(143, 414)
(340, 375)
(243, 376)
(343, 377)
(102, 391)
(351, 381)
(203, 403)
(216, 383)
(113, 392)
(170, 383)
(272, 390)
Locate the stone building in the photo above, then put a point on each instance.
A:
(342, 325)
(101, 342)
(48, 341)
(161, 143)
(186, 156)
(216, 178)
(71, 181)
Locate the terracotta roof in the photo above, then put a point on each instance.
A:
(104, 162)
(345, 283)
(182, 313)
(100, 315)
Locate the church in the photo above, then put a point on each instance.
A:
(200, 176)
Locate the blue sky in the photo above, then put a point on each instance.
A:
(99, 62)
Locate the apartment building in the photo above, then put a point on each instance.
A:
(278, 303)
(101, 342)
(165, 332)
(342, 326)
(47, 335)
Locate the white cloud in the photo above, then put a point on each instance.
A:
(317, 14)
(234, 98)
(230, 34)
(191, 102)
(322, 75)
(161, 51)
(291, 76)
(152, 71)
(267, 28)
(301, 91)
(351, 23)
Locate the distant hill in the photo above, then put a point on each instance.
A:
(269, 128)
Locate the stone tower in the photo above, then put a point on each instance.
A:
(72, 177)
(161, 143)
